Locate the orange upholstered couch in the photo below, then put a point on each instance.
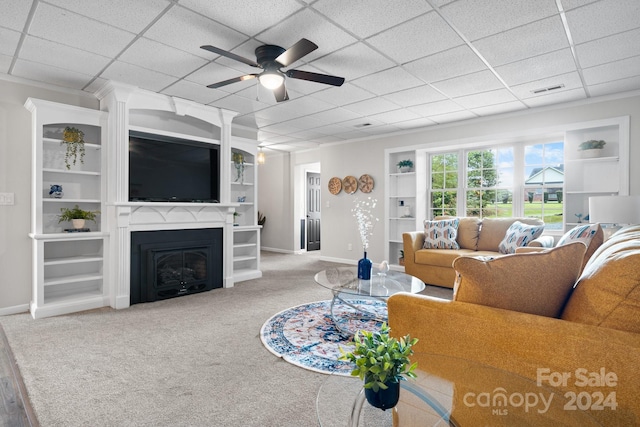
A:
(598, 328)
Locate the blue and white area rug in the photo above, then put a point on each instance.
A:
(307, 337)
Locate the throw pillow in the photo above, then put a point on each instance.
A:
(589, 234)
(537, 283)
(519, 234)
(441, 234)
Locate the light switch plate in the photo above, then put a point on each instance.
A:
(6, 198)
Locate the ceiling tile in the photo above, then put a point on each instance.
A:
(61, 56)
(214, 73)
(395, 116)
(10, 41)
(569, 80)
(415, 96)
(137, 76)
(617, 70)
(538, 67)
(240, 104)
(623, 85)
(342, 95)
(162, 58)
(367, 17)
(481, 81)
(454, 62)
(353, 61)
(481, 18)
(282, 128)
(499, 108)
(193, 91)
(415, 124)
(607, 49)
(572, 4)
(247, 16)
(391, 80)
(453, 117)
(310, 25)
(523, 42)
(556, 97)
(335, 115)
(361, 123)
(14, 14)
(133, 16)
(74, 30)
(486, 98)
(57, 76)
(602, 19)
(425, 35)
(5, 63)
(194, 31)
(371, 106)
(435, 108)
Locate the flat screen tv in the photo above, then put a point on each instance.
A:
(167, 169)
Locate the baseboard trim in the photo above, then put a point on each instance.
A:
(16, 309)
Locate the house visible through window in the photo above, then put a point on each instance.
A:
(522, 179)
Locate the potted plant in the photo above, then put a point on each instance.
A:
(73, 138)
(77, 216)
(261, 218)
(381, 362)
(235, 218)
(238, 162)
(591, 148)
(405, 165)
(401, 259)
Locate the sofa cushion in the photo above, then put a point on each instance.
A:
(518, 235)
(468, 231)
(493, 230)
(442, 257)
(589, 234)
(441, 234)
(536, 283)
(607, 293)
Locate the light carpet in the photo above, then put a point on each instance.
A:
(306, 336)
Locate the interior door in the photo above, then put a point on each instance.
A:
(313, 211)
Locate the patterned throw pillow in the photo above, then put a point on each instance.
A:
(581, 233)
(441, 234)
(519, 234)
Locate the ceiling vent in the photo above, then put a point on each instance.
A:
(547, 89)
(363, 125)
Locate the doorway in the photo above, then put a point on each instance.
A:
(313, 211)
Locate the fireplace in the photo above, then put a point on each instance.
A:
(172, 263)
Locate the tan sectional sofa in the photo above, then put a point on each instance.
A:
(476, 237)
(598, 328)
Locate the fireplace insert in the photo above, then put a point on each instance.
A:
(172, 263)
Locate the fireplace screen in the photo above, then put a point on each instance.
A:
(182, 267)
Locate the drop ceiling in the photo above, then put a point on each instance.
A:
(408, 64)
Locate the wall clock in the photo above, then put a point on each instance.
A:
(350, 184)
(365, 183)
(335, 185)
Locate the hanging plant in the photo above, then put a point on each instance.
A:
(238, 161)
(74, 140)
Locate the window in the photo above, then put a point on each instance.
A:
(544, 183)
(444, 184)
(523, 179)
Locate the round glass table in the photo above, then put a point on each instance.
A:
(451, 391)
(350, 294)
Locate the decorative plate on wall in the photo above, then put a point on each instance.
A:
(365, 183)
(335, 185)
(350, 184)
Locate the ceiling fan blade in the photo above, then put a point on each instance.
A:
(295, 52)
(315, 77)
(281, 93)
(233, 80)
(230, 55)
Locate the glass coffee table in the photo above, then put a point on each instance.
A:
(352, 296)
(455, 392)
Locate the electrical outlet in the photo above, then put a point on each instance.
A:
(6, 198)
(349, 247)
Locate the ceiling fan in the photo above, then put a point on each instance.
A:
(271, 59)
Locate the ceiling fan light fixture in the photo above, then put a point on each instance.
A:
(271, 79)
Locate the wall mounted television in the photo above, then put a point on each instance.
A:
(168, 169)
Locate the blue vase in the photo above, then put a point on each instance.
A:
(364, 268)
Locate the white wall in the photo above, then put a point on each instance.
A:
(367, 156)
(15, 177)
